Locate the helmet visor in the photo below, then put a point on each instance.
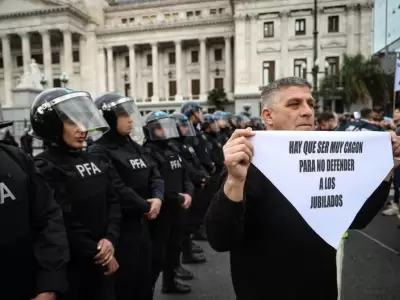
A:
(127, 109)
(185, 128)
(162, 129)
(79, 110)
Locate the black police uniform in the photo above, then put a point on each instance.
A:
(199, 178)
(138, 179)
(224, 130)
(213, 143)
(197, 143)
(82, 186)
(168, 229)
(33, 245)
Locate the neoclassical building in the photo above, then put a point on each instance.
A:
(165, 52)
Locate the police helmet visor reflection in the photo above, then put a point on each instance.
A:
(186, 128)
(128, 108)
(162, 129)
(80, 110)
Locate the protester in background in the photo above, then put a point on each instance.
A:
(327, 121)
(26, 141)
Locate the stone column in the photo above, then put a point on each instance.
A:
(8, 68)
(228, 65)
(154, 54)
(132, 71)
(352, 30)
(101, 72)
(286, 68)
(68, 62)
(26, 50)
(47, 62)
(82, 59)
(110, 69)
(178, 62)
(203, 67)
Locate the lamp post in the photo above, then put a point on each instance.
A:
(315, 71)
(43, 81)
(64, 79)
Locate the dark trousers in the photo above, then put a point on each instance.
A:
(167, 233)
(396, 186)
(87, 281)
(133, 253)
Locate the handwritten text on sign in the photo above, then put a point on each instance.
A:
(326, 166)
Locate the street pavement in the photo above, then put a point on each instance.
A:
(371, 267)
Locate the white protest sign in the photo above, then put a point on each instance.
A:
(326, 176)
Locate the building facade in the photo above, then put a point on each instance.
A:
(166, 52)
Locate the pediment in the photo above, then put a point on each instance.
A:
(267, 50)
(17, 6)
(332, 44)
(299, 47)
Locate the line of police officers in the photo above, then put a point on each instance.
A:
(104, 223)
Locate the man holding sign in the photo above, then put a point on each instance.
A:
(281, 233)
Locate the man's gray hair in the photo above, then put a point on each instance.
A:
(269, 96)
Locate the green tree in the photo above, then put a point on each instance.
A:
(217, 98)
(359, 81)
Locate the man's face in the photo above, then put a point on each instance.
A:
(396, 115)
(328, 125)
(294, 110)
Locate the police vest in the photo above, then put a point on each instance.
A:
(132, 165)
(171, 168)
(81, 187)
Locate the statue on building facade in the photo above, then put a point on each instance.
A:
(31, 79)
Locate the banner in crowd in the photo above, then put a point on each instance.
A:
(327, 176)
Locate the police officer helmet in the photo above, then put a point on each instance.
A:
(53, 108)
(209, 121)
(3, 123)
(190, 108)
(184, 126)
(159, 126)
(222, 118)
(114, 105)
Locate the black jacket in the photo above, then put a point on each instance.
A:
(134, 182)
(33, 245)
(82, 186)
(272, 246)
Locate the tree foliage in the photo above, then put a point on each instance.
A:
(359, 81)
(217, 98)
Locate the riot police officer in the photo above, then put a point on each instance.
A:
(168, 230)
(198, 176)
(34, 248)
(222, 119)
(194, 113)
(210, 128)
(82, 186)
(140, 188)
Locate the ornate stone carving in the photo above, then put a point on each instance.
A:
(32, 78)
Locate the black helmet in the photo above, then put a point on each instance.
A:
(190, 108)
(210, 121)
(114, 105)
(3, 123)
(185, 127)
(159, 126)
(54, 107)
